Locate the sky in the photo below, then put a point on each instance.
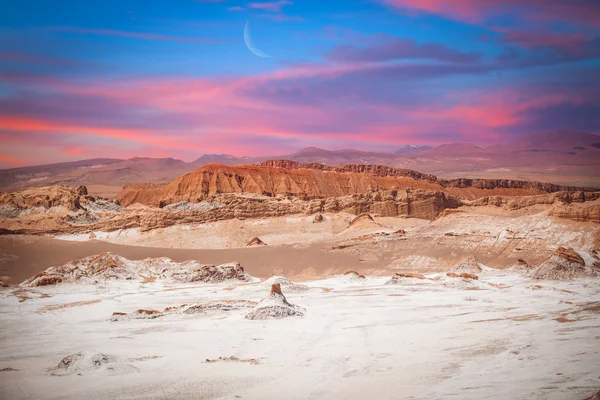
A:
(181, 78)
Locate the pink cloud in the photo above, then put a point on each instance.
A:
(581, 11)
(501, 108)
(8, 160)
(268, 114)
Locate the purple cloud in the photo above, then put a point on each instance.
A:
(397, 49)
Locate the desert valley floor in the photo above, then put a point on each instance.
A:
(374, 284)
(497, 338)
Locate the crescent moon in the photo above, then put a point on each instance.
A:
(248, 40)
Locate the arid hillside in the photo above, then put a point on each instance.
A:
(313, 181)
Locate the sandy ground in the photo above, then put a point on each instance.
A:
(515, 339)
(23, 256)
(303, 250)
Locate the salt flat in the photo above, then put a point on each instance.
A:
(502, 337)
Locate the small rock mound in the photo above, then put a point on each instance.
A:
(407, 277)
(86, 362)
(469, 264)
(109, 266)
(256, 242)
(285, 282)
(275, 306)
(318, 218)
(4, 281)
(363, 221)
(353, 275)
(564, 264)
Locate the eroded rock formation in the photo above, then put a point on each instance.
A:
(109, 266)
(256, 241)
(564, 264)
(400, 277)
(216, 192)
(275, 306)
(468, 265)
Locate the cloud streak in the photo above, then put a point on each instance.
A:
(133, 35)
(477, 11)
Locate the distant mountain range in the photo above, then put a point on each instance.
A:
(411, 149)
(560, 157)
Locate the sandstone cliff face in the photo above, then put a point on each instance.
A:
(382, 170)
(410, 203)
(313, 181)
(212, 180)
(216, 192)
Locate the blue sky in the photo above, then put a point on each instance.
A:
(157, 78)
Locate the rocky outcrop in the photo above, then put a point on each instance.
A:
(463, 183)
(212, 180)
(59, 197)
(109, 266)
(463, 275)
(353, 275)
(406, 277)
(363, 221)
(217, 192)
(588, 211)
(412, 203)
(4, 281)
(564, 264)
(275, 306)
(256, 241)
(45, 197)
(86, 362)
(570, 255)
(469, 265)
(312, 181)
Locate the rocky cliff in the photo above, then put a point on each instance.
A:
(218, 192)
(313, 181)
